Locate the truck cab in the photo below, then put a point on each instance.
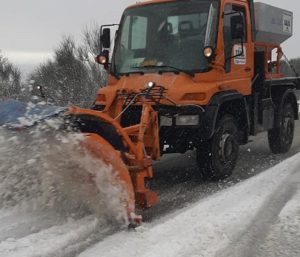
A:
(220, 84)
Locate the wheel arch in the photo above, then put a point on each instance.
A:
(281, 96)
(229, 102)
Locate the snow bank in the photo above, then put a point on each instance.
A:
(283, 238)
(204, 229)
(16, 114)
(53, 241)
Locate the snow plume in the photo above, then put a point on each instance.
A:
(46, 169)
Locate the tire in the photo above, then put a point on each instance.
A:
(217, 157)
(281, 136)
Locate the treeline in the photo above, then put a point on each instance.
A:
(10, 79)
(291, 68)
(70, 77)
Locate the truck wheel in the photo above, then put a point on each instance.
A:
(281, 136)
(217, 157)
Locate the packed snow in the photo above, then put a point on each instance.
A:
(218, 225)
(47, 212)
(36, 223)
(48, 203)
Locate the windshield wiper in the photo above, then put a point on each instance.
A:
(190, 73)
(132, 72)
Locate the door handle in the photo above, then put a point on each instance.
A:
(247, 69)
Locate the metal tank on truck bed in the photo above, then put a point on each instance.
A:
(273, 25)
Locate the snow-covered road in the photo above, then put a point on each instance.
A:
(257, 217)
(256, 212)
(240, 221)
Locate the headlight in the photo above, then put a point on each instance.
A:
(208, 52)
(187, 120)
(166, 121)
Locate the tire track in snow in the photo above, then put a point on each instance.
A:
(203, 229)
(247, 243)
(284, 236)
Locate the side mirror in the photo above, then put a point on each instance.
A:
(237, 27)
(105, 38)
(103, 59)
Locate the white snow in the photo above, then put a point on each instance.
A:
(220, 225)
(48, 206)
(204, 229)
(284, 236)
(49, 241)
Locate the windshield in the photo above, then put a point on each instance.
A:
(166, 36)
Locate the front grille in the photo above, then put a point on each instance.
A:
(131, 116)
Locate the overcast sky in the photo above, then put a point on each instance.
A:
(31, 29)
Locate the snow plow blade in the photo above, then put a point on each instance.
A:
(99, 148)
(124, 149)
(128, 150)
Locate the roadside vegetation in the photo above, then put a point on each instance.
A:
(72, 76)
(289, 69)
(10, 79)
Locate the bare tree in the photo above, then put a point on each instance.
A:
(291, 68)
(10, 79)
(72, 77)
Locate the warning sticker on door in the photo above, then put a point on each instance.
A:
(287, 23)
(239, 54)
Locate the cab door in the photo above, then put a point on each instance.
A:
(238, 48)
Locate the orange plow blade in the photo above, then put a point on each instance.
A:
(101, 149)
(128, 150)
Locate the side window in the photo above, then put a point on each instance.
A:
(139, 32)
(134, 35)
(124, 36)
(235, 30)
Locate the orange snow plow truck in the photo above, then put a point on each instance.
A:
(185, 75)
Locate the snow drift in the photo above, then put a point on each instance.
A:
(43, 168)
